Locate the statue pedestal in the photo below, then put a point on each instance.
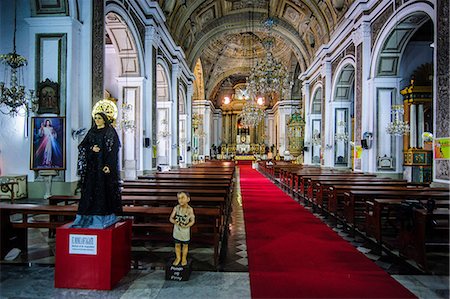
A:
(48, 174)
(178, 273)
(95, 259)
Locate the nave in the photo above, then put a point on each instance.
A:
(35, 279)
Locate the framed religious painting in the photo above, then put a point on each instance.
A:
(48, 97)
(48, 143)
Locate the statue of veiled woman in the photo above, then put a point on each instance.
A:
(99, 171)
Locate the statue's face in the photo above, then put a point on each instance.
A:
(183, 199)
(99, 121)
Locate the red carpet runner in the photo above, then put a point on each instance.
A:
(292, 254)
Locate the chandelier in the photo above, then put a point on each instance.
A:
(164, 133)
(397, 127)
(316, 140)
(269, 76)
(252, 113)
(13, 97)
(126, 123)
(341, 134)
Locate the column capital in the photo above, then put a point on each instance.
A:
(176, 69)
(361, 34)
(152, 35)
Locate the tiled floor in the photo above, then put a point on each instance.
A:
(33, 277)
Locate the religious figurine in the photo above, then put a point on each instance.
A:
(98, 167)
(183, 218)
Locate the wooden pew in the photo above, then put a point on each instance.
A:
(152, 222)
(428, 233)
(187, 177)
(383, 212)
(321, 187)
(306, 179)
(354, 198)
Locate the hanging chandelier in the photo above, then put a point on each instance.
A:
(397, 127)
(316, 140)
(252, 113)
(13, 97)
(127, 124)
(341, 132)
(269, 76)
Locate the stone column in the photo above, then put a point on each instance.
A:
(207, 130)
(412, 127)
(98, 47)
(442, 86)
(358, 41)
(149, 101)
(328, 150)
(420, 125)
(406, 118)
(174, 119)
(189, 139)
(308, 124)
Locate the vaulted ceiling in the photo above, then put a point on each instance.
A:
(227, 35)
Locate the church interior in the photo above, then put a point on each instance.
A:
(311, 135)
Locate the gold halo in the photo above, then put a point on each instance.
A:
(106, 106)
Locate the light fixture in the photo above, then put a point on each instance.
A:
(316, 140)
(126, 123)
(226, 100)
(13, 97)
(252, 113)
(164, 133)
(260, 101)
(397, 126)
(341, 132)
(269, 76)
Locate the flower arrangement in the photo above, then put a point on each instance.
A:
(427, 137)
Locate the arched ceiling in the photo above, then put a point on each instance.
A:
(120, 37)
(227, 35)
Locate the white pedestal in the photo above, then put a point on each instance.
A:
(48, 174)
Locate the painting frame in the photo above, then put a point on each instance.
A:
(48, 97)
(48, 143)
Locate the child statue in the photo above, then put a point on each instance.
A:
(183, 218)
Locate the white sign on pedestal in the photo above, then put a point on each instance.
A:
(83, 244)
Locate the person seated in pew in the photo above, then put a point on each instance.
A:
(98, 167)
(182, 218)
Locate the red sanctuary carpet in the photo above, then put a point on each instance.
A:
(292, 254)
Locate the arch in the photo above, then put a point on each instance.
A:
(181, 100)
(343, 87)
(402, 14)
(74, 9)
(121, 12)
(311, 5)
(234, 25)
(342, 70)
(316, 88)
(163, 111)
(162, 81)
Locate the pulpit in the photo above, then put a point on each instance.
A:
(417, 159)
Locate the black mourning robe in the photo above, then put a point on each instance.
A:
(100, 192)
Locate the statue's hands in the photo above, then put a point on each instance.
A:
(106, 169)
(95, 148)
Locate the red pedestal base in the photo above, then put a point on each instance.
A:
(92, 258)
